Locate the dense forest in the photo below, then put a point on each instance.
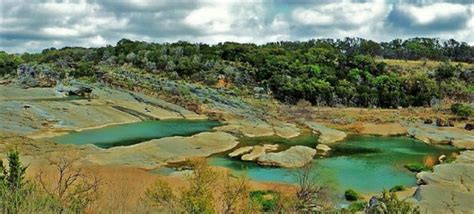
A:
(348, 72)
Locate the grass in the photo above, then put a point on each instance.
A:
(419, 64)
(267, 199)
(417, 167)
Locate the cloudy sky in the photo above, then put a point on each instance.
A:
(32, 25)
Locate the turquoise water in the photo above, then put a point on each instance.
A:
(364, 163)
(132, 133)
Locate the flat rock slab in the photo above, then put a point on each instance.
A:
(257, 151)
(326, 135)
(154, 153)
(248, 128)
(323, 148)
(240, 151)
(296, 156)
(384, 129)
(449, 188)
(431, 134)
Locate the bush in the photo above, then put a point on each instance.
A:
(357, 206)
(462, 110)
(417, 167)
(397, 188)
(262, 198)
(351, 195)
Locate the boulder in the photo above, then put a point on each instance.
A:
(428, 121)
(257, 151)
(441, 122)
(241, 151)
(296, 156)
(75, 89)
(323, 148)
(469, 126)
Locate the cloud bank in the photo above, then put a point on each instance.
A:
(33, 25)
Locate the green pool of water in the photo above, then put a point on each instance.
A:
(132, 133)
(366, 164)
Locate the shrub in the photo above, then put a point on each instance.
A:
(462, 110)
(417, 167)
(357, 206)
(268, 199)
(397, 188)
(351, 195)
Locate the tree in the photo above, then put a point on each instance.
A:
(388, 202)
(309, 190)
(72, 187)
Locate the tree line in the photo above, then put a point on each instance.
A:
(329, 72)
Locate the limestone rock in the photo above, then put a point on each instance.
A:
(448, 187)
(326, 135)
(74, 89)
(431, 134)
(270, 147)
(296, 156)
(257, 151)
(241, 151)
(323, 148)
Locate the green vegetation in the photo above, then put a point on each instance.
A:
(351, 195)
(389, 203)
(266, 199)
(323, 72)
(417, 167)
(462, 110)
(357, 206)
(397, 188)
(72, 193)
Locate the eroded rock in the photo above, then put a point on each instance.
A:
(449, 188)
(326, 135)
(324, 149)
(241, 151)
(256, 152)
(296, 156)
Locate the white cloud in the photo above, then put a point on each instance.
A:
(429, 13)
(341, 13)
(32, 25)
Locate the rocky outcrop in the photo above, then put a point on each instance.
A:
(326, 135)
(155, 153)
(449, 188)
(240, 151)
(444, 123)
(431, 134)
(29, 76)
(296, 156)
(256, 152)
(251, 153)
(323, 149)
(74, 89)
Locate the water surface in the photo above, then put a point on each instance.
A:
(132, 133)
(364, 163)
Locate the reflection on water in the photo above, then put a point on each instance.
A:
(132, 133)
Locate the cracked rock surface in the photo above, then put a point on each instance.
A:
(449, 188)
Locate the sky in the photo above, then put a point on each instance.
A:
(33, 25)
